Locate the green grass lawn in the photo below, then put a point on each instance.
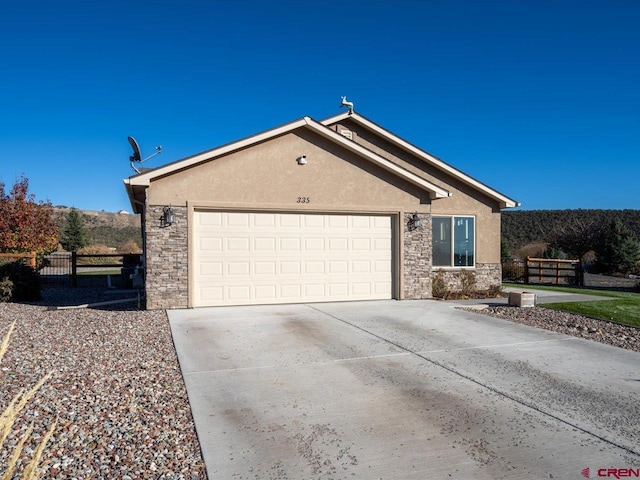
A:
(99, 273)
(625, 308)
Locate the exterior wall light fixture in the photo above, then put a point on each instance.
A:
(168, 217)
(413, 223)
(302, 160)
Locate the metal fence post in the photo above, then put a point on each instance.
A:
(74, 269)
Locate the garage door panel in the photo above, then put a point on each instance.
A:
(211, 268)
(258, 258)
(361, 222)
(237, 219)
(337, 221)
(381, 222)
(290, 244)
(314, 244)
(381, 267)
(314, 221)
(361, 244)
(265, 268)
(266, 291)
(213, 294)
(213, 244)
(288, 220)
(239, 268)
(312, 268)
(341, 266)
(382, 244)
(361, 266)
(291, 292)
(239, 293)
(264, 221)
(264, 244)
(317, 290)
(361, 289)
(239, 244)
(339, 289)
(338, 244)
(290, 268)
(214, 219)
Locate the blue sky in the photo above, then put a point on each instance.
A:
(538, 99)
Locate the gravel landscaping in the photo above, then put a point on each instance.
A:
(116, 390)
(570, 324)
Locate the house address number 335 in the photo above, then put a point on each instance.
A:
(303, 200)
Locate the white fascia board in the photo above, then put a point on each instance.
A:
(144, 179)
(434, 190)
(338, 118)
(505, 202)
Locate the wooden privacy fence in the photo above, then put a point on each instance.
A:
(553, 271)
(30, 257)
(544, 271)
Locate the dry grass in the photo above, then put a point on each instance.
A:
(8, 417)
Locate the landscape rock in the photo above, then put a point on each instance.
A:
(602, 331)
(117, 391)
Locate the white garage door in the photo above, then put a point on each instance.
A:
(260, 258)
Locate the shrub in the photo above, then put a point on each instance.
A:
(96, 249)
(19, 282)
(6, 290)
(129, 247)
(467, 283)
(535, 249)
(494, 291)
(439, 288)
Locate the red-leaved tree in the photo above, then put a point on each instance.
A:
(25, 225)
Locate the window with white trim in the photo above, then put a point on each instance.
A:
(454, 241)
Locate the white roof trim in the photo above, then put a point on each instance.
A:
(145, 178)
(505, 201)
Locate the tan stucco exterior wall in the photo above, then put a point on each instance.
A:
(268, 175)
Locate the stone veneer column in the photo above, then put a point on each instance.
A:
(417, 258)
(167, 259)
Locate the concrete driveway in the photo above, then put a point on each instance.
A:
(402, 390)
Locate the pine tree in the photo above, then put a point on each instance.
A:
(619, 250)
(74, 236)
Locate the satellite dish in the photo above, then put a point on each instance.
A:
(136, 157)
(136, 150)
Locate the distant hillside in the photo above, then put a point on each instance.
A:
(110, 229)
(522, 227)
(519, 227)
